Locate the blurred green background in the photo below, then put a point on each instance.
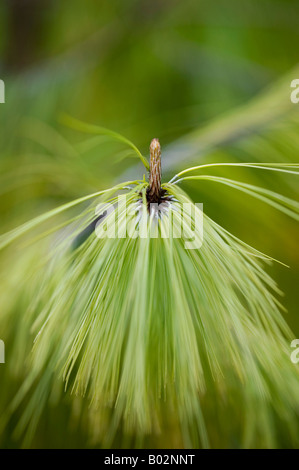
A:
(211, 80)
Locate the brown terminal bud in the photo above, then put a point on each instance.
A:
(155, 171)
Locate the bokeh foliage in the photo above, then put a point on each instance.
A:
(210, 79)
